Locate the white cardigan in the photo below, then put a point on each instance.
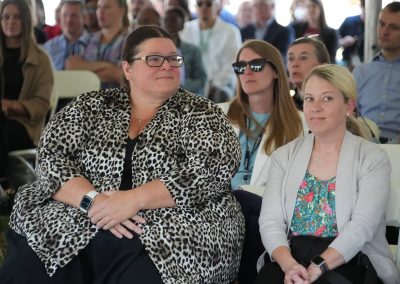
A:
(259, 175)
(362, 191)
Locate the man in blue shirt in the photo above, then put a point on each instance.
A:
(378, 82)
(73, 39)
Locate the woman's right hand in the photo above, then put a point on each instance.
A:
(295, 273)
(119, 230)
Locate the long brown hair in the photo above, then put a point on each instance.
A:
(284, 124)
(26, 26)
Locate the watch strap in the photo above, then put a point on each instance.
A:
(324, 267)
(92, 194)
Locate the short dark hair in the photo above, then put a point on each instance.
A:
(179, 11)
(393, 7)
(137, 37)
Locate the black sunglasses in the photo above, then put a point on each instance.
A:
(256, 65)
(206, 3)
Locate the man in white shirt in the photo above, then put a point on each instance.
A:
(219, 43)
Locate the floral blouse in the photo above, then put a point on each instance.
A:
(315, 211)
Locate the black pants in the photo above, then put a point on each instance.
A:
(106, 259)
(252, 247)
(272, 273)
(13, 136)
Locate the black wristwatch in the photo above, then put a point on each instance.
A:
(87, 201)
(320, 262)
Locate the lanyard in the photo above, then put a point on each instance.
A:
(102, 52)
(249, 153)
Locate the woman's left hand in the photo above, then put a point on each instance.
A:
(118, 209)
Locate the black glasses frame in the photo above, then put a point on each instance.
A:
(204, 3)
(256, 65)
(172, 58)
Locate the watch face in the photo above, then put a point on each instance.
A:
(86, 202)
(317, 260)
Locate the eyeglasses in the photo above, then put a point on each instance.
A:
(256, 65)
(206, 3)
(158, 60)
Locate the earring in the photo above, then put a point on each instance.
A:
(348, 114)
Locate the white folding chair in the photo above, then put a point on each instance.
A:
(393, 208)
(70, 83)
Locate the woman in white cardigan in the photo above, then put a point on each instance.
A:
(264, 117)
(330, 183)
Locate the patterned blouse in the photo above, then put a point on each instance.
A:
(189, 145)
(315, 210)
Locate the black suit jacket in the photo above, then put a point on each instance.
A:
(277, 35)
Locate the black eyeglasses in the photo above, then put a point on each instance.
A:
(206, 3)
(158, 60)
(256, 65)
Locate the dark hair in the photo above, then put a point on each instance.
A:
(393, 7)
(320, 50)
(135, 39)
(183, 4)
(26, 26)
(322, 19)
(143, 12)
(178, 12)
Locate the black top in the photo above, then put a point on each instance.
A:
(13, 76)
(126, 182)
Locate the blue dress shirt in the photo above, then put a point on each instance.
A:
(378, 86)
(59, 48)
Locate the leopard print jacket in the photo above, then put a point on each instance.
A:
(189, 145)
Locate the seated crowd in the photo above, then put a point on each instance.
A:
(149, 179)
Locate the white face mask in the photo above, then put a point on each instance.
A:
(299, 14)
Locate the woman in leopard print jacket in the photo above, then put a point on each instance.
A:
(149, 165)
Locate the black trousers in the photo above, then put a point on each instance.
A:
(252, 247)
(105, 260)
(13, 136)
(272, 273)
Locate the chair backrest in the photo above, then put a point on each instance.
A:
(393, 208)
(70, 83)
(53, 103)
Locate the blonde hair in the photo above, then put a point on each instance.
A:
(342, 80)
(284, 124)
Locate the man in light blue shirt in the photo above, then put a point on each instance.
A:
(73, 39)
(378, 82)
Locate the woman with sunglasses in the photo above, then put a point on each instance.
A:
(133, 184)
(26, 82)
(264, 118)
(322, 216)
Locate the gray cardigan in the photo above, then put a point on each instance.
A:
(362, 191)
